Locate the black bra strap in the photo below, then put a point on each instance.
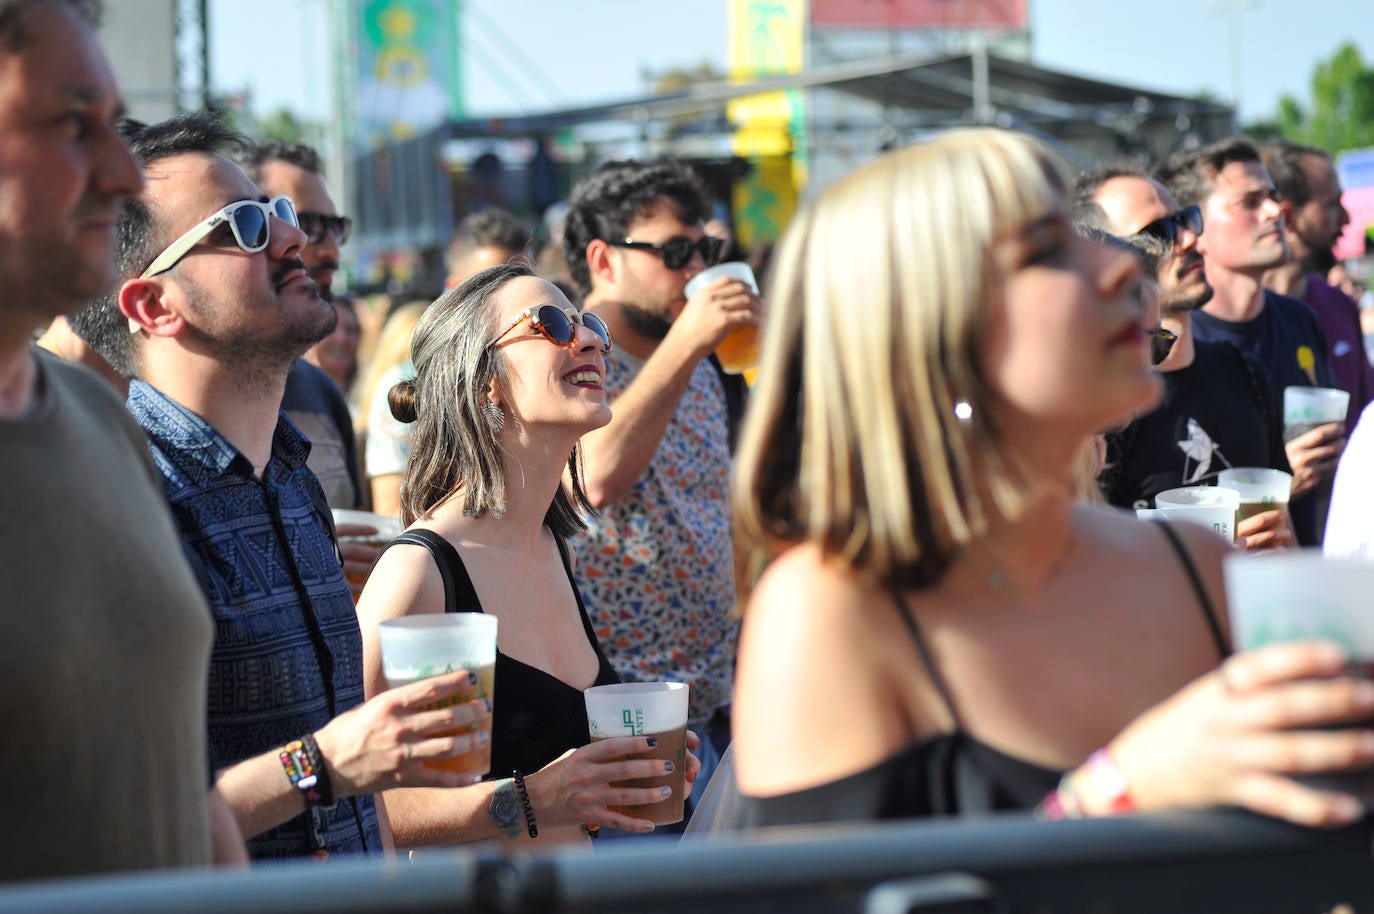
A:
(459, 594)
(927, 658)
(1208, 610)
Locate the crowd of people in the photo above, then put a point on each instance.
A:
(911, 526)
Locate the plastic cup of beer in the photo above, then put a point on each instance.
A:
(1211, 506)
(1260, 489)
(417, 647)
(1299, 595)
(387, 527)
(657, 709)
(739, 351)
(1305, 408)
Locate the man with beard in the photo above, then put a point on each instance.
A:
(1244, 238)
(1313, 219)
(212, 307)
(312, 400)
(1216, 411)
(656, 567)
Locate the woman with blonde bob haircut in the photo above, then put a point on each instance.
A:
(508, 377)
(944, 628)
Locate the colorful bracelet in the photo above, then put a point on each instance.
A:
(295, 761)
(519, 780)
(1103, 784)
(324, 786)
(1108, 787)
(304, 767)
(1061, 803)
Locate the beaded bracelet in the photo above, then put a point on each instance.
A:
(519, 780)
(304, 767)
(1109, 787)
(325, 787)
(295, 761)
(1105, 783)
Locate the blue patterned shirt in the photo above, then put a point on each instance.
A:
(288, 652)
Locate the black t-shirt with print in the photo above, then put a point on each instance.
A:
(1216, 413)
(1287, 339)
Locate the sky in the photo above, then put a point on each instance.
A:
(533, 55)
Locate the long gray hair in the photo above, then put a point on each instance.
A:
(454, 451)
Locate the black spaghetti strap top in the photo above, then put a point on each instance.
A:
(952, 774)
(536, 716)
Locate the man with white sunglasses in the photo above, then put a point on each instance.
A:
(213, 305)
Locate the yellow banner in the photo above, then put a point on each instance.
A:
(767, 38)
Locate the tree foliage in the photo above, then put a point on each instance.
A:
(1340, 114)
(281, 124)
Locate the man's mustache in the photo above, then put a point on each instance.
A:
(279, 274)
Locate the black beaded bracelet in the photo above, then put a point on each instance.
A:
(519, 780)
(323, 786)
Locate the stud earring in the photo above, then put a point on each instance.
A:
(496, 418)
(963, 412)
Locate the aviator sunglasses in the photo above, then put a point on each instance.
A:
(1165, 228)
(316, 225)
(250, 221)
(677, 250)
(556, 325)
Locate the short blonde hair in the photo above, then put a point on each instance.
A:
(879, 298)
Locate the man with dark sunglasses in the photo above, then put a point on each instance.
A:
(312, 400)
(656, 568)
(1313, 220)
(1216, 411)
(209, 338)
(1243, 238)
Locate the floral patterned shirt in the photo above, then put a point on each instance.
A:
(656, 568)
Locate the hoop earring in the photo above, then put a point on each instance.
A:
(496, 418)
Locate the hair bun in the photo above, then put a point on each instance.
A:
(401, 399)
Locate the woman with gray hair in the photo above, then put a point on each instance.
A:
(508, 378)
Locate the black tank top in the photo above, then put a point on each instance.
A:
(952, 774)
(536, 716)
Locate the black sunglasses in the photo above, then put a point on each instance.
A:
(556, 325)
(1165, 228)
(677, 250)
(1161, 344)
(316, 224)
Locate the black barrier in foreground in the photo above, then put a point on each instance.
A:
(1208, 863)
(1189, 862)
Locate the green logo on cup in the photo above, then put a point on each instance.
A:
(632, 719)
